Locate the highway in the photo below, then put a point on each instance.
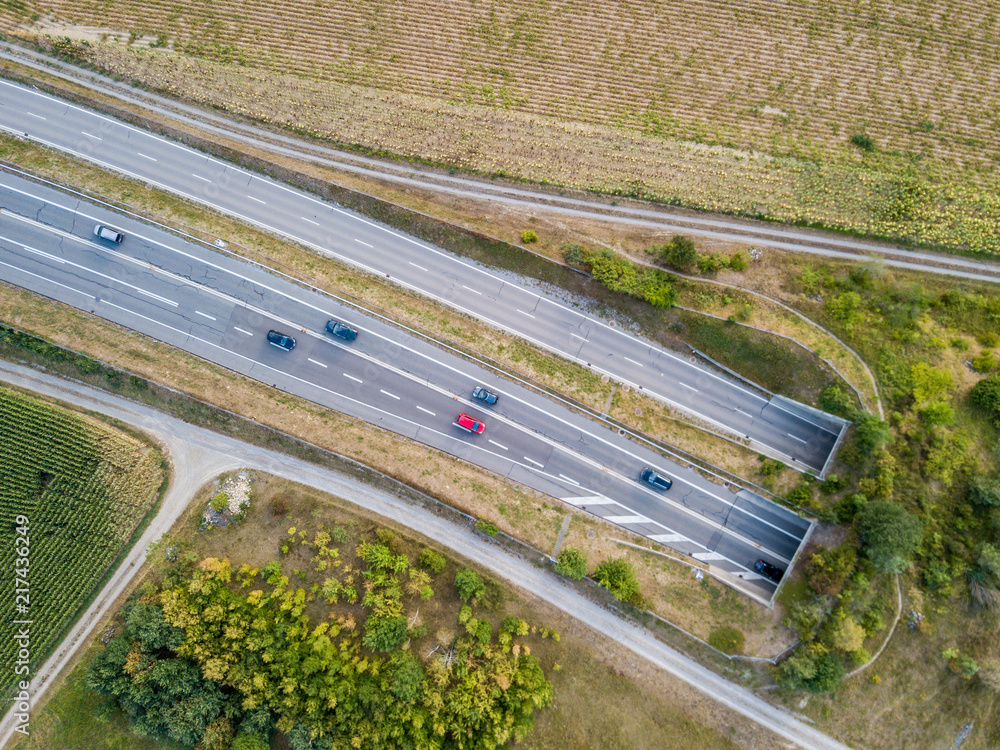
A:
(801, 437)
(198, 455)
(220, 308)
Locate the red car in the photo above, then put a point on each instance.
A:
(469, 424)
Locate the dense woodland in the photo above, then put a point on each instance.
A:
(220, 657)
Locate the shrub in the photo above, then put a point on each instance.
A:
(679, 253)
(432, 560)
(574, 253)
(219, 503)
(863, 142)
(727, 639)
(618, 577)
(279, 505)
(621, 275)
(937, 413)
(528, 236)
(769, 467)
(984, 362)
(836, 400)
(738, 261)
(487, 528)
(572, 563)
(617, 274)
(847, 508)
(986, 395)
(339, 534)
(890, 535)
(710, 263)
(800, 495)
(828, 570)
(656, 288)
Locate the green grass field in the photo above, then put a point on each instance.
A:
(72, 493)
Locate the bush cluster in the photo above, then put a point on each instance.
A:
(622, 275)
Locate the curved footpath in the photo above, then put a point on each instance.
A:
(199, 454)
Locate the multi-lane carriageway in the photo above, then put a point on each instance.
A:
(221, 308)
(801, 437)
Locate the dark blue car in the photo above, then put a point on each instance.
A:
(341, 330)
(653, 479)
(484, 395)
(771, 571)
(280, 340)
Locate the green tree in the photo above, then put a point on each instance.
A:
(617, 576)
(433, 561)
(384, 633)
(985, 490)
(890, 535)
(572, 563)
(986, 395)
(812, 667)
(469, 584)
(836, 400)
(870, 432)
(848, 636)
(679, 253)
(245, 741)
(407, 678)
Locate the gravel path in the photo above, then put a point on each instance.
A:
(198, 455)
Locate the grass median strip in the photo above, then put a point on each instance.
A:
(414, 310)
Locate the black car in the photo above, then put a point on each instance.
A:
(484, 395)
(341, 330)
(771, 571)
(280, 340)
(653, 479)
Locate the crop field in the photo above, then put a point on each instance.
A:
(749, 108)
(80, 489)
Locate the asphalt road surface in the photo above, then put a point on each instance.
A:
(659, 217)
(199, 454)
(221, 308)
(801, 437)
